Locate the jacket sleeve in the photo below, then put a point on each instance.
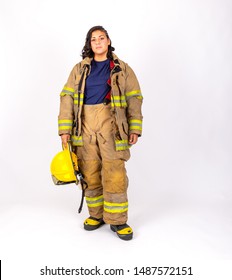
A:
(66, 113)
(134, 100)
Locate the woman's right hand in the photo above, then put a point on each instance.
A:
(65, 138)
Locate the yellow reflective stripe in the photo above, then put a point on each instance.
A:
(134, 93)
(134, 127)
(67, 91)
(93, 198)
(121, 145)
(122, 97)
(94, 201)
(95, 204)
(65, 124)
(111, 204)
(118, 101)
(76, 98)
(64, 127)
(135, 124)
(135, 121)
(65, 121)
(123, 104)
(115, 211)
(115, 207)
(77, 140)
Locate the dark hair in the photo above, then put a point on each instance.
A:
(87, 51)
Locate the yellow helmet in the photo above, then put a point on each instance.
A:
(64, 167)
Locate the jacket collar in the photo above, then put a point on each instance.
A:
(116, 60)
(87, 60)
(114, 64)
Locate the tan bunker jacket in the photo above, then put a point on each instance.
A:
(126, 102)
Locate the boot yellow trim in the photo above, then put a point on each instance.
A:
(127, 230)
(91, 222)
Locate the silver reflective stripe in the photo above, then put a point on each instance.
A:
(134, 93)
(121, 145)
(118, 101)
(135, 124)
(81, 98)
(94, 201)
(65, 124)
(77, 140)
(66, 92)
(115, 207)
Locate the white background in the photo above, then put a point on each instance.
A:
(180, 171)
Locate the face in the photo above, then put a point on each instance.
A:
(99, 44)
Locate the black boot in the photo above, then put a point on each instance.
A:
(123, 231)
(92, 223)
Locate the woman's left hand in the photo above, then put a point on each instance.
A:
(133, 138)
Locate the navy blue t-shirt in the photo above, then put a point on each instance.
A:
(96, 87)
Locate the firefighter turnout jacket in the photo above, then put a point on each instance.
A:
(125, 97)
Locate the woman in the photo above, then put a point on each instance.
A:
(100, 112)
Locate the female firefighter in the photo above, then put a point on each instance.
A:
(100, 112)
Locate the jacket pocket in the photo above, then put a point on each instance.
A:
(123, 130)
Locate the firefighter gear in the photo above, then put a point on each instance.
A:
(103, 166)
(63, 168)
(124, 232)
(100, 134)
(92, 223)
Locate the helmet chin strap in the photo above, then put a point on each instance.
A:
(84, 186)
(79, 177)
